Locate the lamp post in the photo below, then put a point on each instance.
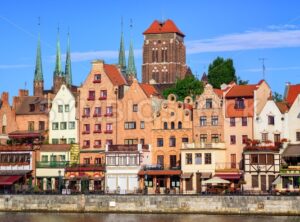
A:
(59, 181)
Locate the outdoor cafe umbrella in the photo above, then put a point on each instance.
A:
(216, 180)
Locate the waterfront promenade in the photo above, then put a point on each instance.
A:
(207, 204)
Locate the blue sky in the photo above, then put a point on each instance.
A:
(242, 30)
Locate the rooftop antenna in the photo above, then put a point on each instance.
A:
(263, 67)
(121, 23)
(25, 85)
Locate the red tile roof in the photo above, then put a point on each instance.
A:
(163, 27)
(283, 107)
(149, 90)
(114, 75)
(219, 92)
(292, 92)
(242, 91)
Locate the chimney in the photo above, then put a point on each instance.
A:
(23, 92)
(4, 97)
(97, 65)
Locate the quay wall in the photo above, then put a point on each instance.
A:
(267, 205)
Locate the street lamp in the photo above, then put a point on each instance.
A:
(59, 181)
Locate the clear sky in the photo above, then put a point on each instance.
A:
(242, 30)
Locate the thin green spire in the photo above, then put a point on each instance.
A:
(57, 71)
(68, 69)
(131, 69)
(122, 59)
(38, 72)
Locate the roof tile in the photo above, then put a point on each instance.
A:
(114, 75)
(163, 27)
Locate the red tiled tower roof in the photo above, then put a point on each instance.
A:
(292, 93)
(163, 27)
(114, 75)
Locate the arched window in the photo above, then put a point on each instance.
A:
(165, 125)
(172, 125)
(179, 125)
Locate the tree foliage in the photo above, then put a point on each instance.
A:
(221, 71)
(189, 86)
(277, 97)
(242, 82)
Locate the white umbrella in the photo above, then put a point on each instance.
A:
(216, 180)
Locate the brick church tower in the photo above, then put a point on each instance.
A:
(164, 54)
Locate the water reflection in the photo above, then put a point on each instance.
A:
(87, 217)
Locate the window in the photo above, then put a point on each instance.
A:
(41, 125)
(172, 141)
(215, 138)
(232, 121)
(97, 143)
(253, 159)
(86, 112)
(103, 94)
(63, 125)
(97, 78)
(233, 161)
(160, 142)
(232, 139)
(297, 136)
(208, 104)
(55, 126)
(60, 108)
(198, 158)
(185, 139)
(67, 108)
(86, 128)
(142, 141)
(207, 158)
(122, 161)
(160, 160)
(244, 121)
(165, 125)
(264, 137)
(109, 111)
(203, 138)
(54, 141)
(44, 158)
(31, 107)
(111, 160)
(97, 112)
(173, 161)
(86, 144)
(172, 125)
(130, 141)
(72, 125)
(3, 129)
(276, 138)
(98, 161)
(142, 125)
(109, 142)
(271, 120)
(270, 159)
(244, 139)
(71, 140)
(262, 159)
(133, 160)
(189, 184)
(239, 104)
(129, 125)
(97, 128)
(108, 126)
(42, 107)
(188, 158)
(202, 120)
(134, 108)
(63, 141)
(91, 95)
(254, 179)
(31, 126)
(179, 125)
(214, 120)
(86, 161)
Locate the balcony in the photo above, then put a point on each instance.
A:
(91, 98)
(85, 115)
(97, 115)
(97, 81)
(108, 114)
(85, 167)
(86, 146)
(85, 132)
(102, 97)
(52, 164)
(160, 167)
(97, 131)
(97, 146)
(204, 145)
(108, 131)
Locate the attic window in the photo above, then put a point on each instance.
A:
(97, 78)
(239, 103)
(31, 107)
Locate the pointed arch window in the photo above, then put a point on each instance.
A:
(179, 125)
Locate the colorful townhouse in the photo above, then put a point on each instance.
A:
(202, 157)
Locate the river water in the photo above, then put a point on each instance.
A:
(93, 217)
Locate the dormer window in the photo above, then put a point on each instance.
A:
(208, 104)
(97, 78)
(239, 103)
(31, 107)
(271, 120)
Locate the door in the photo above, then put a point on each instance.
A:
(233, 161)
(198, 182)
(160, 160)
(122, 183)
(111, 183)
(263, 182)
(133, 183)
(172, 161)
(271, 180)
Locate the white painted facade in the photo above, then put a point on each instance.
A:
(294, 121)
(62, 118)
(262, 123)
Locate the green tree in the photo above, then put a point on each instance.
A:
(189, 86)
(242, 82)
(277, 97)
(221, 71)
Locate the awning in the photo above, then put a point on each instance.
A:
(205, 175)
(277, 181)
(9, 180)
(292, 150)
(25, 134)
(216, 180)
(186, 175)
(159, 172)
(227, 176)
(290, 174)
